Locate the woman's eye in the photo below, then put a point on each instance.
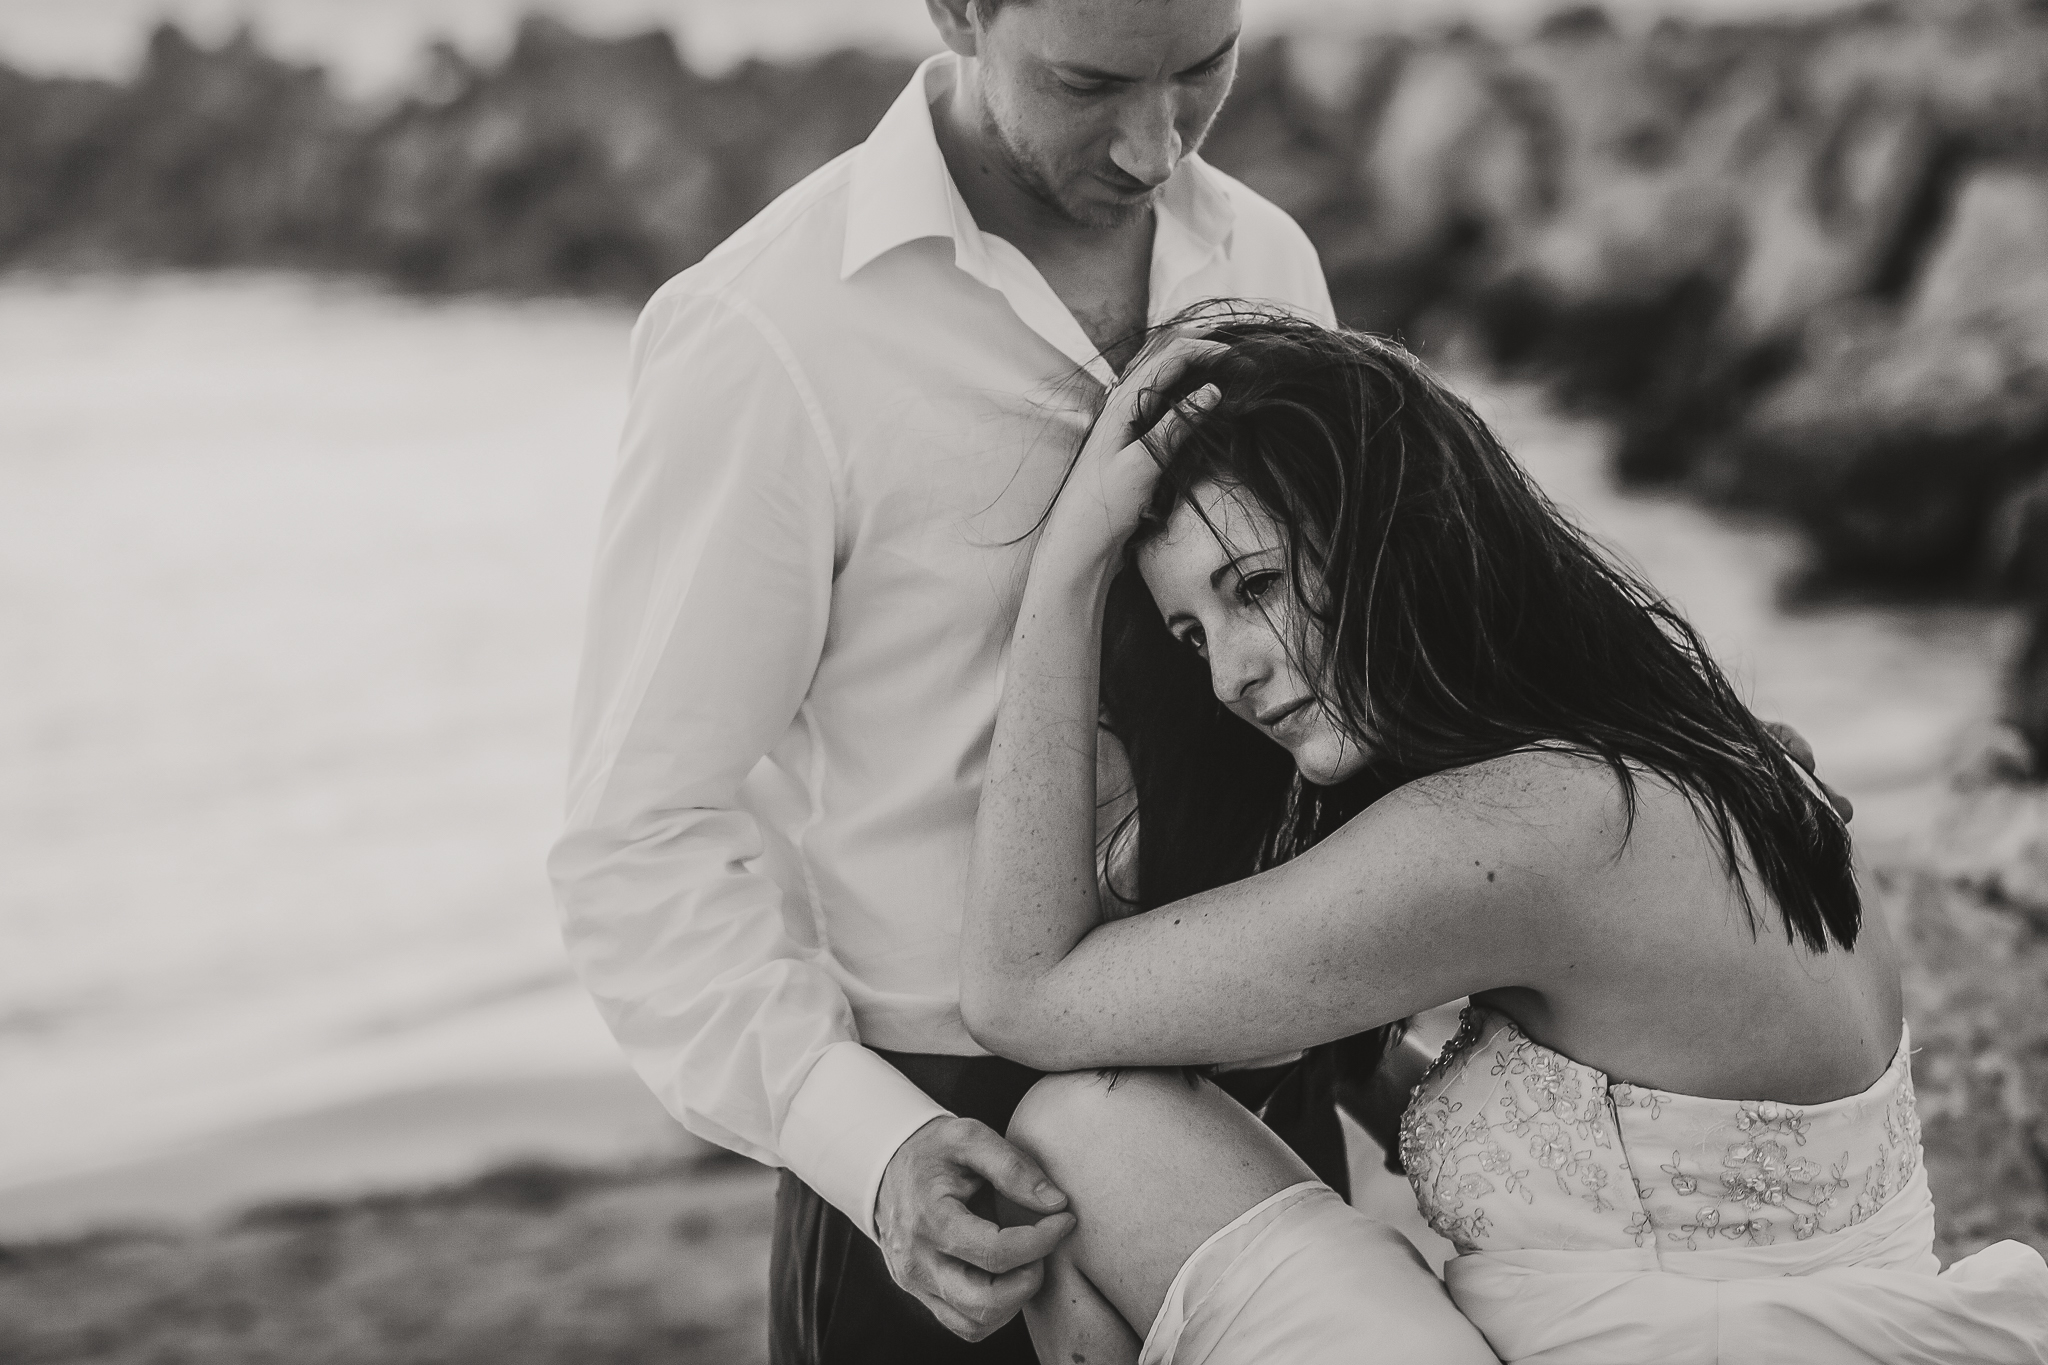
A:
(1080, 90)
(1252, 587)
(1193, 638)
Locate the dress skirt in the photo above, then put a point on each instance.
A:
(1287, 1281)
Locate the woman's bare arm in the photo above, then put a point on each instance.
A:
(1465, 882)
(1442, 889)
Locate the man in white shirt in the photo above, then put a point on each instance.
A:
(845, 423)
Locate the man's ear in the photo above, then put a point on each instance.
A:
(957, 23)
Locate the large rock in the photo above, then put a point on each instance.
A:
(568, 167)
(1717, 192)
(209, 157)
(1402, 160)
(1296, 118)
(1616, 295)
(1976, 973)
(598, 165)
(1978, 68)
(584, 165)
(48, 126)
(1904, 429)
(1825, 205)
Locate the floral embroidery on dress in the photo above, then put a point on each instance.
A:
(1549, 1114)
(1497, 1107)
(1637, 1097)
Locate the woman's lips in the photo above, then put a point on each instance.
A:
(1275, 719)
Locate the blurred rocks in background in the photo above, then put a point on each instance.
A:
(1968, 905)
(1804, 265)
(577, 165)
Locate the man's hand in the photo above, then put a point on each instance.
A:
(972, 1274)
(1802, 753)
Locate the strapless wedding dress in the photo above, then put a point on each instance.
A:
(1599, 1223)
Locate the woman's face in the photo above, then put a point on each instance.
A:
(1224, 594)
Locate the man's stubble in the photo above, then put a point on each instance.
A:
(1028, 173)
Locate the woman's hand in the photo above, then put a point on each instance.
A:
(1112, 479)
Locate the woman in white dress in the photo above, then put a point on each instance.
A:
(1400, 735)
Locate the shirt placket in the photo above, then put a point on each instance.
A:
(1178, 256)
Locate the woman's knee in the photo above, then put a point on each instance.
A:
(1074, 1112)
(1054, 1109)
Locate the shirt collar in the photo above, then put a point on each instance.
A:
(901, 190)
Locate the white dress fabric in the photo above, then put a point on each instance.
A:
(1277, 1285)
(1599, 1223)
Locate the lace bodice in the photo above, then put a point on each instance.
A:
(1511, 1146)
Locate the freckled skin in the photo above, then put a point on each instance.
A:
(1215, 577)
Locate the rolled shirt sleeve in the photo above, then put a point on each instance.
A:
(707, 619)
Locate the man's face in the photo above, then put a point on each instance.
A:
(1096, 101)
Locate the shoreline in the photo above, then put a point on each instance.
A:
(448, 1135)
(407, 1138)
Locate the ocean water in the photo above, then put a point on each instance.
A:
(291, 575)
(372, 44)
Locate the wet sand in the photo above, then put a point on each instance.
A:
(402, 1139)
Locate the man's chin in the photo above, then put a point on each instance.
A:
(1102, 213)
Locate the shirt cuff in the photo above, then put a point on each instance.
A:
(848, 1118)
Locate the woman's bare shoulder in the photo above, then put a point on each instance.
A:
(1558, 824)
(1540, 815)
(1548, 787)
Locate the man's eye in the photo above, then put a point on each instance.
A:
(1081, 90)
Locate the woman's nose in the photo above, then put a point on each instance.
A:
(1237, 666)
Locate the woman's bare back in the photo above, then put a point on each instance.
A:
(1666, 983)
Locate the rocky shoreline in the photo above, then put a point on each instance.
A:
(1803, 264)
(534, 1264)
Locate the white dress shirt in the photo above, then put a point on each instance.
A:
(844, 424)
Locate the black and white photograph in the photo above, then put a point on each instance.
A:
(988, 682)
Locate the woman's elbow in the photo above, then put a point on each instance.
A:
(1005, 1023)
(989, 1013)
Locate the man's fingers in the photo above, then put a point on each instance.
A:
(1169, 431)
(1016, 1176)
(987, 1301)
(954, 1321)
(1793, 743)
(1801, 753)
(997, 1250)
(1844, 807)
(1028, 1243)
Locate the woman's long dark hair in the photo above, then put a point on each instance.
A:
(1451, 612)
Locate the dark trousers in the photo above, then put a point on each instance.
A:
(831, 1301)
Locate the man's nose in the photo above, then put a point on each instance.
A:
(1148, 144)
